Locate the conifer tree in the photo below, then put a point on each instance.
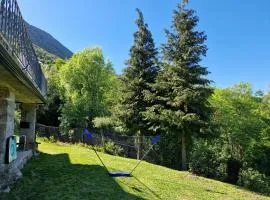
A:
(139, 74)
(182, 89)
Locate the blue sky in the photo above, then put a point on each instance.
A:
(238, 31)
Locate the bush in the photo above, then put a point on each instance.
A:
(42, 139)
(168, 151)
(111, 148)
(51, 139)
(254, 180)
(92, 147)
(233, 169)
(103, 122)
(97, 148)
(204, 161)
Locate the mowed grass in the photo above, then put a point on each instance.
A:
(64, 171)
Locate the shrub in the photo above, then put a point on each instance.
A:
(111, 148)
(103, 122)
(42, 139)
(52, 139)
(254, 180)
(204, 161)
(92, 147)
(97, 148)
(233, 169)
(168, 151)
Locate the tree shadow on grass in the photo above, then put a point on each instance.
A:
(55, 177)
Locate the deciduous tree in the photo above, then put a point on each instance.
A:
(87, 82)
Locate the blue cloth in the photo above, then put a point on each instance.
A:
(88, 134)
(155, 139)
(116, 174)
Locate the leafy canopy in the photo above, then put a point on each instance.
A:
(88, 84)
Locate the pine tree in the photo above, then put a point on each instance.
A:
(182, 89)
(140, 73)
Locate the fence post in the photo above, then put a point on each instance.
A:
(138, 138)
(102, 137)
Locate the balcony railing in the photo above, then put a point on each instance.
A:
(14, 35)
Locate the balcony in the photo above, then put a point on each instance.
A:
(17, 55)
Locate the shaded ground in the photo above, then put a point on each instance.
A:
(74, 172)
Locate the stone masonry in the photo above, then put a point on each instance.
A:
(9, 173)
(7, 109)
(28, 115)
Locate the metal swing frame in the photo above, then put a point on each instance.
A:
(123, 174)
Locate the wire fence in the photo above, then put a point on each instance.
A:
(132, 146)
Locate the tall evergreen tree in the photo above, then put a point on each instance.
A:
(182, 89)
(139, 74)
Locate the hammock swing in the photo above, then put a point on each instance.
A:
(154, 140)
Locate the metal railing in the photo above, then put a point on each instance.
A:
(14, 35)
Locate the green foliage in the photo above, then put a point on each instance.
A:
(111, 148)
(254, 180)
(137, 77)
(206, 160)
(103, 122)
(51, 139)
(49, 113)
(241, 121)
(97, 148)
(44, 57)
(260, 157)
(88, 88)
(168, 151)
(48, 43)
(110, 123)
(181, 91)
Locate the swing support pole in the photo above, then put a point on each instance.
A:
(125, 174)
(141, 159)
(101, 160)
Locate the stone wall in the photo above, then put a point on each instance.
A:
(9, 174)
(28, 115)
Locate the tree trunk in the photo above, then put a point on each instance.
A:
(184, 153)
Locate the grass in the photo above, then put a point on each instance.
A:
(64, 171)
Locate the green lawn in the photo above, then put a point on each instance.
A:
(74, 172)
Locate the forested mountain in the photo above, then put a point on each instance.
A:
(47, 42)
(44, 57)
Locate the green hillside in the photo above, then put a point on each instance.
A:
(44, 57)
(64, 171)
(47, 42)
